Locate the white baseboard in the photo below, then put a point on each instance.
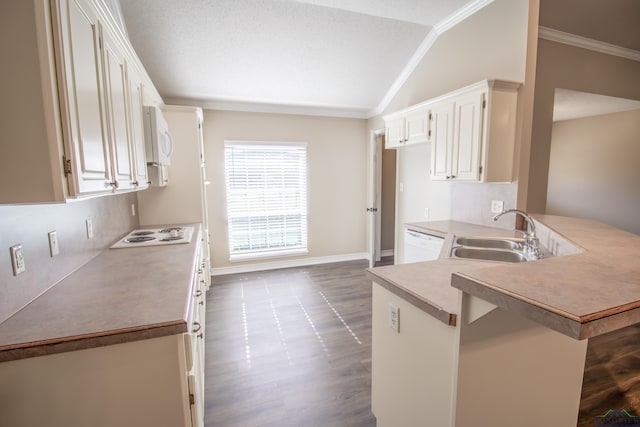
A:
(274, 265)
(387, 252)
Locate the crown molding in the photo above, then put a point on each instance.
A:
(586, 43)
(331, 111)
(440, 28)
(267, 108)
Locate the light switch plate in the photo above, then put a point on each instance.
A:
(497, 206)
(89, 228)
(54, 249)
(394, 318)
(17, 260)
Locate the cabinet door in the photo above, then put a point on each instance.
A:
(416, 126)
(80, 75)
(116, 82)
(467, 136)
(442, 139)
(394, 135)
(136, 116)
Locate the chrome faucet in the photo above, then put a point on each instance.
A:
(531, 247)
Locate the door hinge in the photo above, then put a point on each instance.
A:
(192, 399)
(372, 209)
(66, 166)
(430, 116)
(429, 134)
(480, 170)
(484, 103)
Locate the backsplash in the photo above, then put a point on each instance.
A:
(29, 226)
(471, 202)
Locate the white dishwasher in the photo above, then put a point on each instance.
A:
(421, 246)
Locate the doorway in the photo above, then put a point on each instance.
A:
(381, 201)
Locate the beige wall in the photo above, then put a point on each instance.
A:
(336, 176)
(594, 169)
(491, 44)
(568, 67)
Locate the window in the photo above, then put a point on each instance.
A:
(266, 198)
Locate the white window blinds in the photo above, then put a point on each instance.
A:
(266, 198)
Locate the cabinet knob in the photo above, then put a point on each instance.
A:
(196, 327)
(198, 293)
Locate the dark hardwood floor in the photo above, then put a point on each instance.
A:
(292, 347)
(612, 375)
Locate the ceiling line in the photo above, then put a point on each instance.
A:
(586, 43)
(440, 28)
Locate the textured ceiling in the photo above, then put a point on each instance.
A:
(333, 57)
(341, 55)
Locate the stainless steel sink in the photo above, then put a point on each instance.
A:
(487, 254)
(490, 242)
(495, 249)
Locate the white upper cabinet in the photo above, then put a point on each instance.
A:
(116, 88)
(136, 102)
(479, 146)
(471, 131)
(406, 127)
(442, 138)
(456, 151)
(72, 111)
(81, 97)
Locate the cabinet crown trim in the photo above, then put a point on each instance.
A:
(492, 84)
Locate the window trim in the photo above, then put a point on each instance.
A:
(275, 252)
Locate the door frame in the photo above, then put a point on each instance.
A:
(374, 194)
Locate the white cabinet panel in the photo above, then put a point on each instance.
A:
(467, 137)
(442, 139)
(136, 102)
(115, 76)
(81, 80)
(473, 133)
(407, 127)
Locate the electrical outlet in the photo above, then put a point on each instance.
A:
(17, 260)
(394, 318)
(89, 228)
(497, 206)
(54, 249)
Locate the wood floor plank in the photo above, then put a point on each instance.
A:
(292, 348)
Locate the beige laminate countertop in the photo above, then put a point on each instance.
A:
(588, 293)
(119, 296)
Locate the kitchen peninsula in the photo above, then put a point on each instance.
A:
(484, 343)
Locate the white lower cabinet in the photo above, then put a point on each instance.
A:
(141, 383)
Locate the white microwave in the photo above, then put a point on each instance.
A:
(158, 143)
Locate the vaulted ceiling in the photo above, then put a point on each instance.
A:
(330, 57)
(336, 55)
